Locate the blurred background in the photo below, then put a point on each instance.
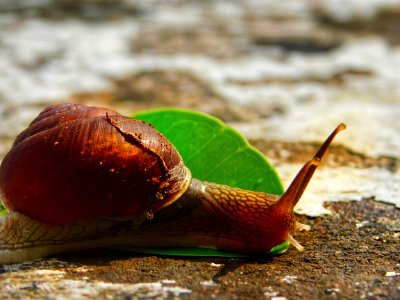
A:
(284, 73)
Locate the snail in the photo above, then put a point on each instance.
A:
(82, 177)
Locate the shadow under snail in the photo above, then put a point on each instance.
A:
(82, 177)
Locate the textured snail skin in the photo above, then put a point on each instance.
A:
(217, 216)
(76, 165)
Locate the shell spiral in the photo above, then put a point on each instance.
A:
(76, 162)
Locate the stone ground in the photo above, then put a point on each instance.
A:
(284, 74)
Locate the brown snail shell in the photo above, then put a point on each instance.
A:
(76, 162)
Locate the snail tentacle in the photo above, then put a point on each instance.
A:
(294, 243)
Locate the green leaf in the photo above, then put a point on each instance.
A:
(186, 251)
(217, 153)
(214, 151)
(3, 210)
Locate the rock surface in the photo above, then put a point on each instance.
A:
(283, 73)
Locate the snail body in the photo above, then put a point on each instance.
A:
(88, 177)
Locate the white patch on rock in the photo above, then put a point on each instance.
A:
(208, 283)
(53, 284)
(347, 10)
(289, 279)
(392, 274)
(343, 184)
